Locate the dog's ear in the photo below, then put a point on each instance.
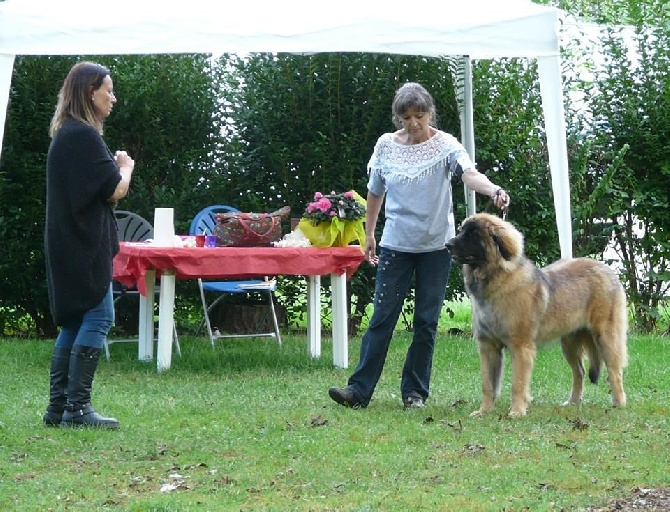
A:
(508, 239)
(505, 250)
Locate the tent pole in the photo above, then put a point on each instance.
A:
(554, 119)
(467, 127)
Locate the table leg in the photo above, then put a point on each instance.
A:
(145, 348)
(314, 315)
(338, 284)
(166, 320)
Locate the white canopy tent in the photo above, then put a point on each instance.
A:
(476, 29)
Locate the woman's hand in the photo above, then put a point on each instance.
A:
(477, 181)
(500, 198)
(370, 250)
(126, 166)
(123, 160)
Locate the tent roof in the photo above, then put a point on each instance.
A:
(478, 28)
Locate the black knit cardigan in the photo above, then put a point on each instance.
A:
(80, 239)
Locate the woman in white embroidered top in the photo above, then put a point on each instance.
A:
(413, 168)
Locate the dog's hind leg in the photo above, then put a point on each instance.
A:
(615, 359)
(573, 346)
(615, 378)
(491, 360)
(610, 340)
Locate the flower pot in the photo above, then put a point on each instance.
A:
(333, 233)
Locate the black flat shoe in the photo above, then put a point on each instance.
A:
(345, 397)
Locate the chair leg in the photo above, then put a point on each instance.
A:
(207, 322)
(175, 336)
(200, 326)
(274, 318)
(206, 313)
(175, 340)
(107, 349)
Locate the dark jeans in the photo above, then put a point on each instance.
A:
(394, 274)
(92, 328)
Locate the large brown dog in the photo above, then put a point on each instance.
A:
(519, 306)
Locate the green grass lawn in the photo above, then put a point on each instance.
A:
(249, 426)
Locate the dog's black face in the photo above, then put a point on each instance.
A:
(468, 247)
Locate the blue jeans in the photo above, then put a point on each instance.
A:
(394, 274)
(91, 329)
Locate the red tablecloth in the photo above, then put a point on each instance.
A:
(134, 260)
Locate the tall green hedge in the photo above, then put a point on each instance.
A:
(167, 117)
(263, 131)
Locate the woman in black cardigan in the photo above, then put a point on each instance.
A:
(84, 183)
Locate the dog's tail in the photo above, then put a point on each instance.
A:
(595, 362)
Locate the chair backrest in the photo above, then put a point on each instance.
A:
(205, 219)
(132, 227)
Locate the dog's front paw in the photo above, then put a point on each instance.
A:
(516, 413)
(570, 401)
(619, 401)
(479, 412)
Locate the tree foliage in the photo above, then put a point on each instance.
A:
(22, 193)
(167, 117)
(266, 130)
(511, 149)
(631, 103)
(309, 123)
(624, 165)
